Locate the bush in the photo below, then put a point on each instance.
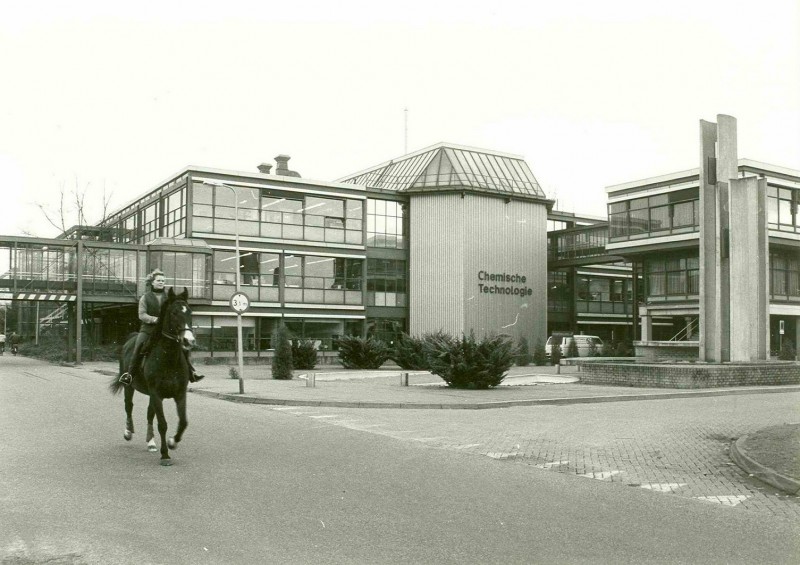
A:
(409, 353)
(539, 354)
(623, 349)
(609, 349)
(233, 373)
(593, 351)
(360, 353)
(555, 354)
(282, 362)
(787, 352)
(304, 354)
(469, 363)
(572, 348)
(523, 352)
(55, 350)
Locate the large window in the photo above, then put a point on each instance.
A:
(782, 208)
(673, 276)
(277, 215)
(385, 224)
(183, 269)
(672, 212)
(784, 275)
(386, 282)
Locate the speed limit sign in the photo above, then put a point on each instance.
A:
(239, 302)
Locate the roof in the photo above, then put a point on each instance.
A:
(448, 166)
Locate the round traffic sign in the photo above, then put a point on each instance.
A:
(239, 302)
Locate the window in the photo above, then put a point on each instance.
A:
(673, 276)
(782, 208)
(385, 225)
(386, 282)
(671, 212)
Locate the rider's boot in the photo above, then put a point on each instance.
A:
(194, 376)
(126, 378)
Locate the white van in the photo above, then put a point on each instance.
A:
(584, 343)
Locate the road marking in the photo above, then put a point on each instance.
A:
(727, 500)
(663, 487)
(502, 454)
(600, 475)
(467, 446)
(424, 439)
(324, 416)
(285, 407)
(552, 464)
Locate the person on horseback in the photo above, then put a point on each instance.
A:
(149, 310)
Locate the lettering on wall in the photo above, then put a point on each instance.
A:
(503, 284)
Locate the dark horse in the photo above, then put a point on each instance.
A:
(164, 373)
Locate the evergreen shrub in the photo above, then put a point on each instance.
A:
(556, 354)
(572, 348)
(523, 352)
(539, 354)
(409, 353)
(282, 362)
(470, 363)
(360, 353)
(304, 354)
(787, 352)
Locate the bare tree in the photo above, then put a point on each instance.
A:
(70, 209)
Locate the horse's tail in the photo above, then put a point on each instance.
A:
(115, 386)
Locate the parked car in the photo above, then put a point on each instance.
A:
(584, 343)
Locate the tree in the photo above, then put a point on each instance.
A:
(523, 352)
(72, 208)
(282, 362)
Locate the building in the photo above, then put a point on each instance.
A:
(446, 238)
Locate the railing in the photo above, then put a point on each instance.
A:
(688, 331)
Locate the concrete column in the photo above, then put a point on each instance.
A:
(647, 326)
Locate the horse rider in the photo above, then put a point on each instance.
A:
(149, 309)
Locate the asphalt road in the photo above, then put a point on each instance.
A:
(255, 485)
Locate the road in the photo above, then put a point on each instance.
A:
(253, 484)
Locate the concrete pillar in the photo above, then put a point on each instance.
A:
(647, 325)
(749, 270)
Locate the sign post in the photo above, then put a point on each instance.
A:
(239, 303)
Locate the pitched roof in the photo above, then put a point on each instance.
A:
(448, 166)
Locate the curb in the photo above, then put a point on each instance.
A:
(761, 472)
(244, 399)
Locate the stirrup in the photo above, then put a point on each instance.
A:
(126, 378)
(196, 377)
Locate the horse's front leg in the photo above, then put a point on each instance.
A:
(158, 406)
(150, 439)
(183, 423)
(129, 413)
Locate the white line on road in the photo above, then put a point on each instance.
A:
(600, 475)
(727, 500)
(663, 487)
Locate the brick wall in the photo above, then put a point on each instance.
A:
(691, 375)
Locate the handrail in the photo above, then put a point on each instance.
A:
(688, 330)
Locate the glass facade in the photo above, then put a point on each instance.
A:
(385, 225)
(672, 276)
(782, 208)
(386, 282)
(110, 271)
(271, 214)
(184, 269)
(162, 214)
(662, 214)
(784, 276)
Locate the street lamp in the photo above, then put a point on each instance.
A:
(239, 301)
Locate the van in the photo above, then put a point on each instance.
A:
(585, 344)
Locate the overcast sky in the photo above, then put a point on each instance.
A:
(122, 95)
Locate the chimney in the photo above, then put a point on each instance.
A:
(264, 168)
(281, 168)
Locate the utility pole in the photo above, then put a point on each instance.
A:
(405, 146)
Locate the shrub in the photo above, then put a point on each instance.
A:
(233, 373)
(409, 353)
(623, 349)
(593, 351)
(539, 354)
(787, 352)
(572, 348)
(282, 362)
(304, 354)
(609, 349)
(56, 350)
(360, 353)
(469, 363)
(523, 352)
(556, 354)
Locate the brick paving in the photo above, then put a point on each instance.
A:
(677, 447)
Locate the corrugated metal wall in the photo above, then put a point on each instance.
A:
(453, 239)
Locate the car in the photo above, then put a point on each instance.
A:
(585, 343)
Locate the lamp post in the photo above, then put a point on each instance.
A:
(238, 302)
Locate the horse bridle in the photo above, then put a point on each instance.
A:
(176, 338)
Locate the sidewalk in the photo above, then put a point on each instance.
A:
(772, 455)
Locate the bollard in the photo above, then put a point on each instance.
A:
(403, 379)
(310, 379)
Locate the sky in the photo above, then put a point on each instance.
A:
(109, 99)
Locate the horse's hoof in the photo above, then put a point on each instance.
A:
(151, 446)
(127, 435)
(166, 462)
(171, 443)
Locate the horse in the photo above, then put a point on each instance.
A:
(164, 373)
